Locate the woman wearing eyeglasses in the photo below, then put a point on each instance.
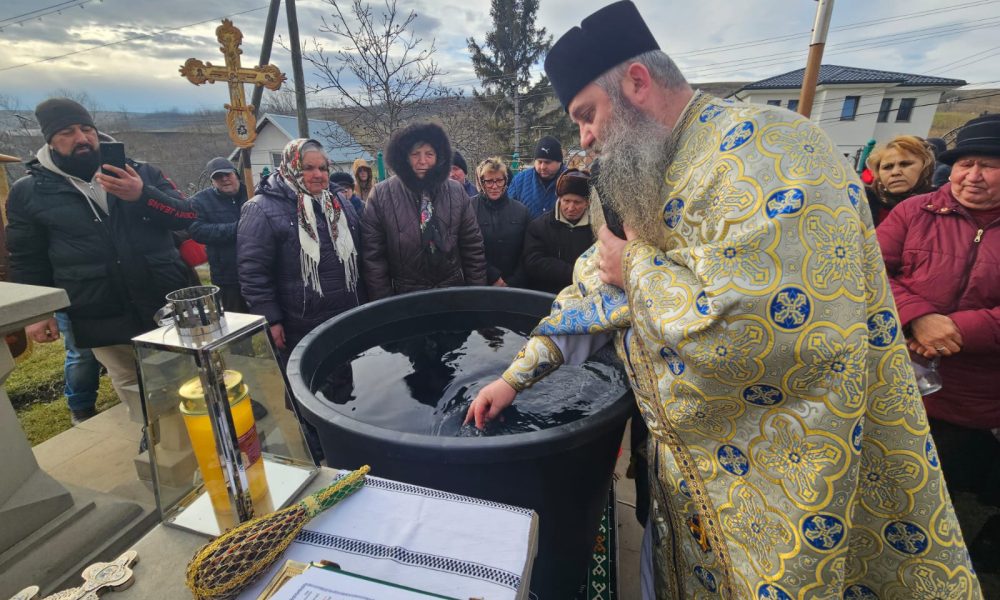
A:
(555, 239)
(502, 221)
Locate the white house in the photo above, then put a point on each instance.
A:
(855, 105)
(275, 131)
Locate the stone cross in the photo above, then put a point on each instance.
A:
(29, 497)
(240, 118)
(44, 529)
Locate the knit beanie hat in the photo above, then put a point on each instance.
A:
(59, 113)
(549, 148)
(573, 181)
(342, 179)
(458, 160)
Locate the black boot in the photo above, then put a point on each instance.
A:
(79, 416)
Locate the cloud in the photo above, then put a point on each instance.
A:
(711, 40)
(426, 27)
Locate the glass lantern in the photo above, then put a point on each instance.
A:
(203, 375)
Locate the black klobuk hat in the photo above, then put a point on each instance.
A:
(603, 41)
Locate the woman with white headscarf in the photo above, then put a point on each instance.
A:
(298, 247)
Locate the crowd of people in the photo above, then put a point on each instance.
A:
(308, 243)
(769, 341)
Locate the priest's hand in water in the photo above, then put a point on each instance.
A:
(490, 402)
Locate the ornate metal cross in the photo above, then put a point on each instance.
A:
(240, 118)
(97, 578)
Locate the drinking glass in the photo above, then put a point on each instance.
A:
(928, 377)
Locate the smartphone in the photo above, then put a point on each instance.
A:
(613, 221)
(611, 218)
(112, 153)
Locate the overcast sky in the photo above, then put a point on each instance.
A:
(712, 40)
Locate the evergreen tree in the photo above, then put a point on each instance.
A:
(503, 65)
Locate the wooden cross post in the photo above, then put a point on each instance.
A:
(240, 117)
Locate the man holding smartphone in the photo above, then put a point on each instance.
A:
(99, 231)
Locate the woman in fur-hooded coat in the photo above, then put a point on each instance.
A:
(419, 230)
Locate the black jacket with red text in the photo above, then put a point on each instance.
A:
(116, 268)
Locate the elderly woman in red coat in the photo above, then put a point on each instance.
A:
(942, 254)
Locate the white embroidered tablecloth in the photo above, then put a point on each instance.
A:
(422, 538)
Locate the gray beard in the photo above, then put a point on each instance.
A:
(633, 160)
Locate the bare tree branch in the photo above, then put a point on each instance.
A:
(467, 123)
(377, 66)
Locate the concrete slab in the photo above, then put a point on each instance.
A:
(66, 446)
(29, 498)
(629, 530)
(629, 538)
(98, 455)
(114, 421)
(101, 467)
(97, 528)
(27, 304)
(138, 491)
(57, 533)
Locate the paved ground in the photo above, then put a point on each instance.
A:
(99, 455)
(629, 531)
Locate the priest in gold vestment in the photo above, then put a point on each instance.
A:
(790, 456)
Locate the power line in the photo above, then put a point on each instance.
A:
(879, 94)
(832, 119)
(131, 39)
(852, 26)
(733, 66)
(716, 69)
(864, 43)
(963, 26)
(41, 12)
(818, 107)
(723, 67)
(958, 62)
(546, 92)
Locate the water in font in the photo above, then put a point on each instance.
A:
(424, 384)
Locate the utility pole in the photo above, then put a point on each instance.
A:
(258, 91)
(300, 84)
(265, 50)
(823, 12)
(517, 119)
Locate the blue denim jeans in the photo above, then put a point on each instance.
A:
(81, 369)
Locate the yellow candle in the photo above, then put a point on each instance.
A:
(199, 429)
